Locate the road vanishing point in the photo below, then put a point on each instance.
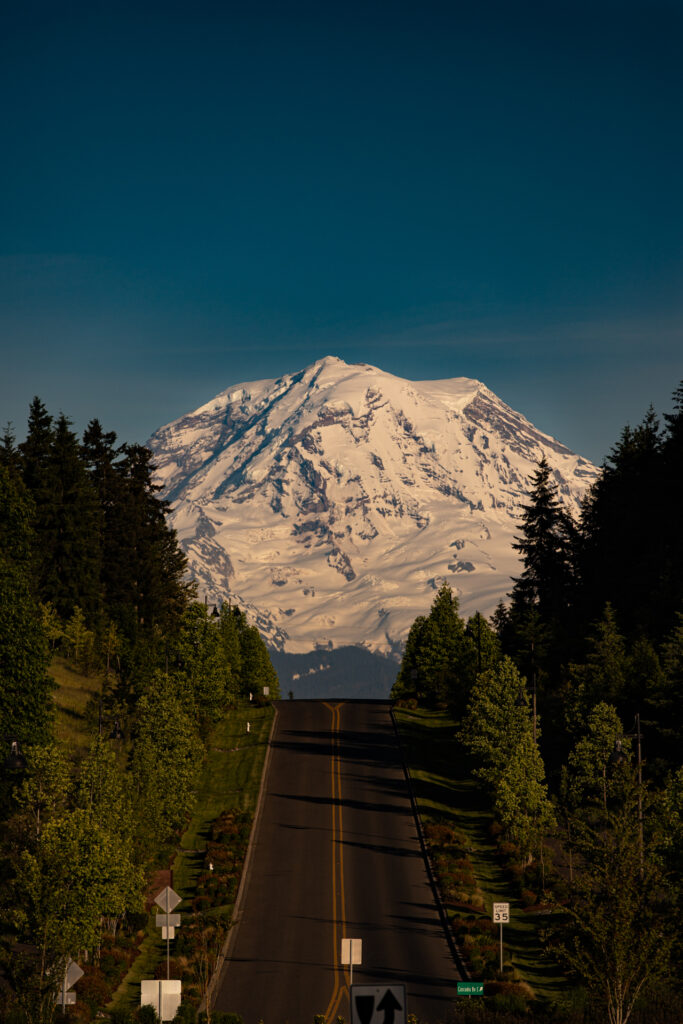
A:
(335, 854)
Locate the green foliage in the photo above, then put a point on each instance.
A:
(588, 763)
(256, 668)
(79, 871)
(495, 721)
(620, 928)
(605, 673)
(545, 546)
(44, 790)
(521, 799)
(79, 641)
(441, 660)
(26, 707)
(167, 755)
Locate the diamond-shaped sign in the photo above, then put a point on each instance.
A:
(73, 974)
(167, 899)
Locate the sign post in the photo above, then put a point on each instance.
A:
(72, 973)
(501, 916)
(168, 900)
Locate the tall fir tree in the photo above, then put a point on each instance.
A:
(545, 546)
(622, 553)
(26, 705)
(72, 530)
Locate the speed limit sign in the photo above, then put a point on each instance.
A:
(501, 913)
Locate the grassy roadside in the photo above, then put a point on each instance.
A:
(446, 793)
(231, 779)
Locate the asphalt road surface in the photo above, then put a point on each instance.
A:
(336, 855)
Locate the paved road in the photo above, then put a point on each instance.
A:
(336, 855)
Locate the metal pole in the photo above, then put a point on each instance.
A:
(640, 795)
(501, 947)
(168, 944)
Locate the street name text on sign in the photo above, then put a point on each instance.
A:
(470, 988)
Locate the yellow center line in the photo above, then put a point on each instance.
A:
(338, 912)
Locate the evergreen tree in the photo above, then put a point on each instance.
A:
(496, 720)
(408, 683)
(35, 453)
(603, 677)
(229, 626)
(257, 668)
(72, 531)
(589, 761)
(198, 655)
(622, 551)
(26, 706)
(145, 582)
(546, 548)
(521, 799)
(9, 454)
(485, 643)
(670, 500)
(439, 663)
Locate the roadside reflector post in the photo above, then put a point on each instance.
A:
(501, 916)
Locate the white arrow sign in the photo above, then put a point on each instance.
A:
(378, 1004)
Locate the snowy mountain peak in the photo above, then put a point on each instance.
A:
(333, 501)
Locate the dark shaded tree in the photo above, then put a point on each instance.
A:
(26, 705)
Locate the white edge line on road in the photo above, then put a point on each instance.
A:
(458, 958)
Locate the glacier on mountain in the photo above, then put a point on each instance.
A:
(331, 503)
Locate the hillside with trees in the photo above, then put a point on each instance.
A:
(92, 577)
(569, 706)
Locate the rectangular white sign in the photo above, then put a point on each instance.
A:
(501, 913)
(164, 996)
(352, 951)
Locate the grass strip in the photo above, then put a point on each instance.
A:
(231, 778)
(446, 792)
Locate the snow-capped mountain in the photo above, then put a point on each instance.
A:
(333, 502)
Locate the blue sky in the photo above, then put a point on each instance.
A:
(195, 195)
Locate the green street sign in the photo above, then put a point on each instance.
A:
(470, 988)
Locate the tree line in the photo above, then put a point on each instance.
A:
(590, 646)
(92, 573)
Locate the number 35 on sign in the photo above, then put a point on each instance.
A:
(501, 913)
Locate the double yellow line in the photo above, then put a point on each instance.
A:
(338, 898)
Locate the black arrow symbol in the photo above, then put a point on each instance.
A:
(389, 1004)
